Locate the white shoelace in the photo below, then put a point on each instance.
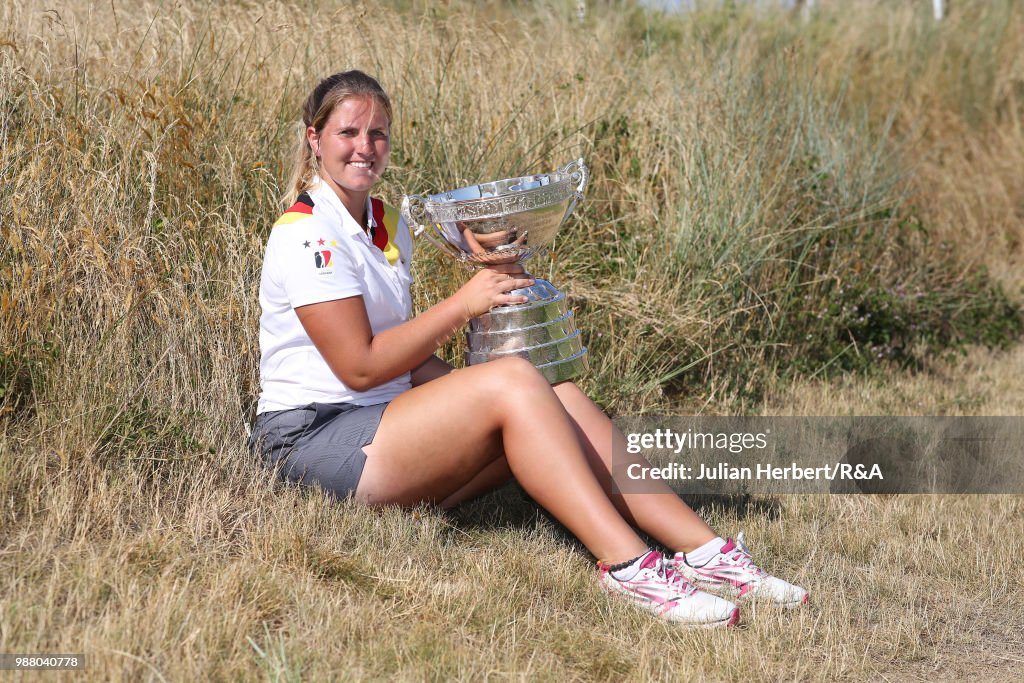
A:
(740, 557)
(666, 570)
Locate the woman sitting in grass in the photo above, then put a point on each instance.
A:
(354, 399)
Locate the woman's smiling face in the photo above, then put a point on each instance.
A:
(353, 148)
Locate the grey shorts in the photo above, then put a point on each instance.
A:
(321, 443)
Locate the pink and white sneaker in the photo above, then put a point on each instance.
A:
(657, 588)
(732, 572)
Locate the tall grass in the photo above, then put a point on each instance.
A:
(770, 199)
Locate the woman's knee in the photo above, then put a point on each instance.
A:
(515, 365)
(509, 382)
(517, 374)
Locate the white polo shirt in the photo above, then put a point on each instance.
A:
(317, 252)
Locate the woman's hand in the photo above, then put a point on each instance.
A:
(490, 287)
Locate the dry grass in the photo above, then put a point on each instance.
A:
(981, 382)
(750, 173)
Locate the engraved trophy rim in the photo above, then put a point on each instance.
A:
(517, 216)
(445, 206)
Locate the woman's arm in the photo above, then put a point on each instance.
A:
(429, 370)
(341, 331)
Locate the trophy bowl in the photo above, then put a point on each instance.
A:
(510, 221)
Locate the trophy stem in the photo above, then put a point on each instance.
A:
(541, 330)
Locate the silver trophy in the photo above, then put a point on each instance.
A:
(508, 221)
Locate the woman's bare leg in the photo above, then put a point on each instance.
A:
(659, 512)
(436, 438)
(493, 476)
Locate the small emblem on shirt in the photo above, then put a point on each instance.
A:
(322, 259)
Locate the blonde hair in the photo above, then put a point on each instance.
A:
(319, 106)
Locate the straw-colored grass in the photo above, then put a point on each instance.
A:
(784, 217)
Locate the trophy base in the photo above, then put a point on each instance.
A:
(542, 330)
(565, 369)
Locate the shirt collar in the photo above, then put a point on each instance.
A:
(323, 195)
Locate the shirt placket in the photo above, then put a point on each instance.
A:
(392, 271)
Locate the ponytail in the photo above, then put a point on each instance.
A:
(304, 167)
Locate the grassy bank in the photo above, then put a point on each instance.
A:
(773, 202)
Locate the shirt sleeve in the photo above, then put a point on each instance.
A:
(317, 265)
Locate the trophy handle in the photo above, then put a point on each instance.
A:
(416, 217)
(581, 174)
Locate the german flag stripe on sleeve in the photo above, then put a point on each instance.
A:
(300, 210)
